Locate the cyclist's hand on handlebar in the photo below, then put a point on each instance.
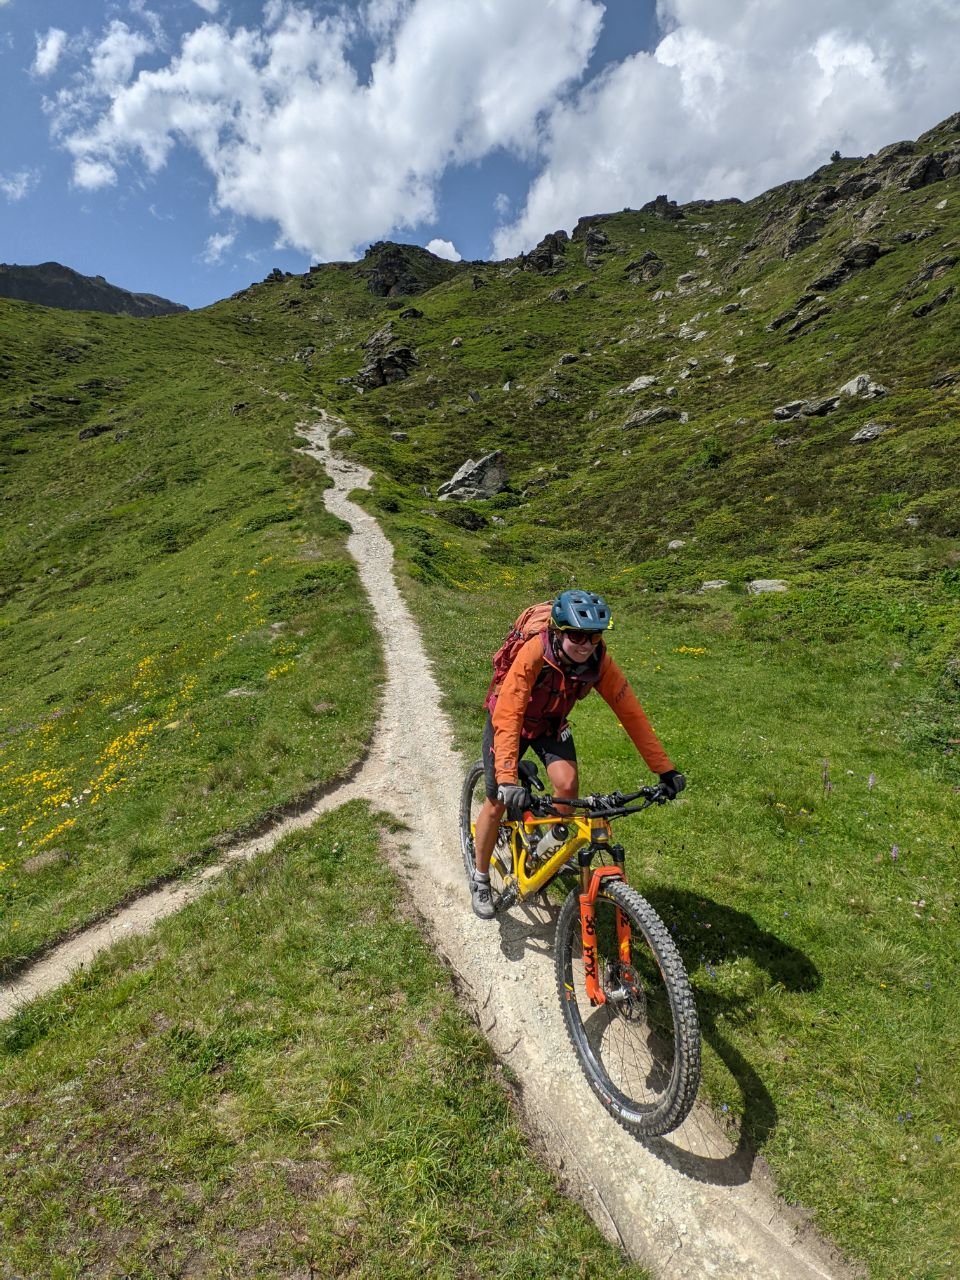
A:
(516, 798)
(672, 783)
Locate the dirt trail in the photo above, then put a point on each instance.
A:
(689, 1206)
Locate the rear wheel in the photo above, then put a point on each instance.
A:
(640, 1050)
(472, 797)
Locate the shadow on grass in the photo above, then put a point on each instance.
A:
(732, 933)
(531, 926)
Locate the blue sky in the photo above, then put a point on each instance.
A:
(187, 147)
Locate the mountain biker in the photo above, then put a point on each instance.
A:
(551, 672)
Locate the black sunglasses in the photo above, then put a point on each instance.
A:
(583, 637)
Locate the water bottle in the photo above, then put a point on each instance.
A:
(549, 843)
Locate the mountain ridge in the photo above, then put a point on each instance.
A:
(51, 284)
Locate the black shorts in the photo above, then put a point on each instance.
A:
(546, 747)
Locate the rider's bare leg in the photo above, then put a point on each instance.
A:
(485, 833)
(564, 779)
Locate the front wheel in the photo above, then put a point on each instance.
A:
(472, 797)
(640, 1049)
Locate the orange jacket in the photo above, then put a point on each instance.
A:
(513, 699)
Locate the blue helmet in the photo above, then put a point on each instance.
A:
(580, 611)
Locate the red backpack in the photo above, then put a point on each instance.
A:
(530, 623)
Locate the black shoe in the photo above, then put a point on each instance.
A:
(481, 899)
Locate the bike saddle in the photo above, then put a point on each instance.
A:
(527, 772)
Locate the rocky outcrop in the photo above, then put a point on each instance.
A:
(53, 285)
(806, 232)
(934, 304)
(388, 361)
(662, 207)
(476, 480)
(862, 387)
(596, 243)
(648, 267)
(548, 257)
(854, 257)
(399, 270)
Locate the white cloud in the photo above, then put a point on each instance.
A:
(216, 247)
(115, 56)
(737, 98)
(91, 175)
(445, 249)
(734, 99)
(17, 185)
(291, 135)
(49, 49)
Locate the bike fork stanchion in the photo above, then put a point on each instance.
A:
(624, 934)
(590, 882)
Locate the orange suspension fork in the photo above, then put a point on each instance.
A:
(588, 931)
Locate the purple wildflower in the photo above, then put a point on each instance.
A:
(871, 782)
(894, 853)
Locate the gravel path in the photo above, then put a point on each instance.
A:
(689, 1205)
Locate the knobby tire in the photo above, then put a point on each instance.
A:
(640, 1051)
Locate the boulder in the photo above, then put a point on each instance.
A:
(650, 417)
(792, 409)
(869, 431)
(862, 387)
(640, 384)
(764, 586)
(714, 584)
(476, 480)
(394, 366)
(819, 408)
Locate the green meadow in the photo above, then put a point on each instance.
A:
(185, 650)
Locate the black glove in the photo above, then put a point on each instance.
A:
(516, 798)
(673, 783)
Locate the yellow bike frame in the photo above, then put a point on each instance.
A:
(587, 832)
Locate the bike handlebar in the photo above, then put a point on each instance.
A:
(613, 805)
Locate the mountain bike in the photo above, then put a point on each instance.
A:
(626, 999)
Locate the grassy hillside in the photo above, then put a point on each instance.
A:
(183, 644)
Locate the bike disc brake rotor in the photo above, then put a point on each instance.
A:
(624, 991)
